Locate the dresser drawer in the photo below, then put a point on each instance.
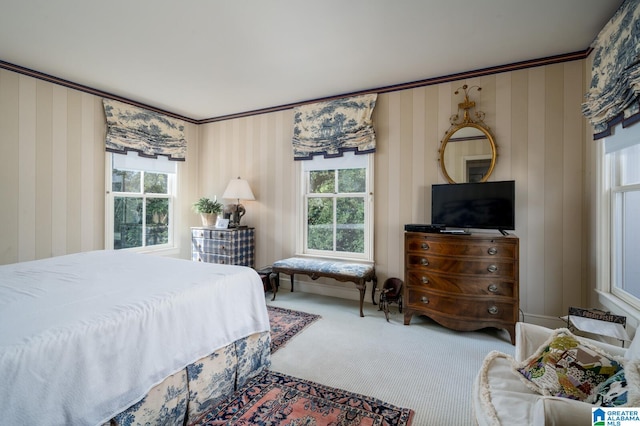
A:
(201, 233)
(211, 246)
(463, 246)
(217, 246)
(223, 235)
(479, 309)
(489, 267)
(460, 285)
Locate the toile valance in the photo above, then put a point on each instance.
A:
(615, 84)
(330, 128)
(130, 128)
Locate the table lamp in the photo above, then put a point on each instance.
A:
(238, 189)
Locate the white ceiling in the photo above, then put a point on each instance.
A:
(209, 58)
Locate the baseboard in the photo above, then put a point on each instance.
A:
(543, 320)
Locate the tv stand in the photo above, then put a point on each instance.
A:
(503, 232)
(462, 282)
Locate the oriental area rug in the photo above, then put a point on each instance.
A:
(286, 323)
(276, 399)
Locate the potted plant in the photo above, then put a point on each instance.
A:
(209, 210)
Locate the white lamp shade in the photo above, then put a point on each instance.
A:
(238, 189)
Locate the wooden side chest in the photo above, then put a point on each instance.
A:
(463, 282)
(235, 246)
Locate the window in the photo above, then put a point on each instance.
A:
(140, 202)
(336, 207)
(623, 184)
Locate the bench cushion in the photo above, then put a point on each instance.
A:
(325, 266)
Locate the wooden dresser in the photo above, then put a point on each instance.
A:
(234, 246)
(463, 282)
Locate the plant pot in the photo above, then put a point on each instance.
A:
(208, 219)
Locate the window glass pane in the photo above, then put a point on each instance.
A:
(352, 180)
(350, 224)
(156, 183)
(627, 161)
(320, 224)
(630, 257)
(322, 182)
(127, 222)
(157, 221)
(125, 181)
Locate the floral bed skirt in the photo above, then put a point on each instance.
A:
(201, 386)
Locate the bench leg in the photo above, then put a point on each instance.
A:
(291, 283)
(274, 279)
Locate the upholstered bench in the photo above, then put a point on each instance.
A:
(357, 273)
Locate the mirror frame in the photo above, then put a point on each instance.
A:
(447, 137)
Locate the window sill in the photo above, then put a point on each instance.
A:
(619, 307)
(344, 259)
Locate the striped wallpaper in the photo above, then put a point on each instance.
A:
(52, 176)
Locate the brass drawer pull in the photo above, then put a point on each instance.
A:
(493, 310)
(493, 288)
(424, 262)
(424, 246)
(425, 280)
(492, 250)
(492, 268)
(424, 299)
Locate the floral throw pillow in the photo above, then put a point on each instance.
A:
(621, 389)
(569, 367)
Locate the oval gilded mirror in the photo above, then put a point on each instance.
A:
(468, 151)
(467, 154)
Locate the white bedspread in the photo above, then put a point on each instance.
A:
(83, 336)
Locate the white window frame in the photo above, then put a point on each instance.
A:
(169, 248)
(609, 296)
(301, 203)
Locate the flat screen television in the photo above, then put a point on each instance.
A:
(485, 205)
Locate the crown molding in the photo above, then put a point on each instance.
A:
(567, 57)
(86, 89)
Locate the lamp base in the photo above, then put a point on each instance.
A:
(235, 211)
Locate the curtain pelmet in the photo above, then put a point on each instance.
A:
(615, 84)
(130, 128)
(333, 127)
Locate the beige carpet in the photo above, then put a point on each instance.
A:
(423, 366)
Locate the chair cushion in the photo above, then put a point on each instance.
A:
(352, 269)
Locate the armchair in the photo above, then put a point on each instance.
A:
(500, 397)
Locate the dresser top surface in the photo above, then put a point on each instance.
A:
(464, 237)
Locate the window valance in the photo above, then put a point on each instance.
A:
(130, 128)
(333, 127)
(615, 84)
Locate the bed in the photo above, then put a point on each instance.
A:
(115, 337)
